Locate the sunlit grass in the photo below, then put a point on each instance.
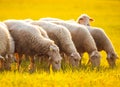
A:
(107, 16)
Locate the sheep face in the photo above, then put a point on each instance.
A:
(111, 58)
(55, 57)
(95, 59)
(84, 19)
(74, 59)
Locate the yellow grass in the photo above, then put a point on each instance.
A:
(106, 14)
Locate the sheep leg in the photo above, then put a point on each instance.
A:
(31, 66)
(18, 60)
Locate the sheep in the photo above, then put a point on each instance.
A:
(83, 40)
(29, 41)
(104, 43)
(84, 19)
(6, 48)
(62, 38)
(102, 40)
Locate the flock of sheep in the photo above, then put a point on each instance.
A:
(52, 38)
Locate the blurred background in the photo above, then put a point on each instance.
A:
(100, 10)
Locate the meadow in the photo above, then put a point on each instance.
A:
(107, 16)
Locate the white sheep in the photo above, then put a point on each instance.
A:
(62, 38)
(29, 41)
(102, 40)
(84, 19)
(83, 40)
(104, 43)
(6, 47)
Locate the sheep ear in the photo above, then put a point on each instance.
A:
(72, 54)
(95, 54)
(91, 19)
(80, 19)
(52, 47)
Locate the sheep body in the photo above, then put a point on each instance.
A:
(6, 46)
(62, 38)
(29, 41)
(82, 40)
(102, 40)
(103, 43)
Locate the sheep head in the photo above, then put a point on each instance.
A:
(5, 62)
(84, 19)
(95, 58)
(55, 57)
(75, 59)
(111, 58)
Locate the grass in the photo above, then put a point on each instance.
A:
(107, 16)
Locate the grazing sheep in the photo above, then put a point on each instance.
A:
(62, 38)
(82, 40)
(6, 47)
(29, 41)
(102, 40)
(99, 36)
(103, 43)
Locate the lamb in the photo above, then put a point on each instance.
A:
(102, 40)
(29, 41)
(62, 38)
(82, 40)
(6, 47)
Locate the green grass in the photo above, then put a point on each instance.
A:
(107, 16)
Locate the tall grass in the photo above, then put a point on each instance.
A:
(106, 14)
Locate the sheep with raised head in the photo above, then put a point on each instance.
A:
(6, 47)
(84, 19)
(29, 41)
(102, 40)
(62, 38)
(83, 40)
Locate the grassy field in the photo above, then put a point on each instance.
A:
(106, 14)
